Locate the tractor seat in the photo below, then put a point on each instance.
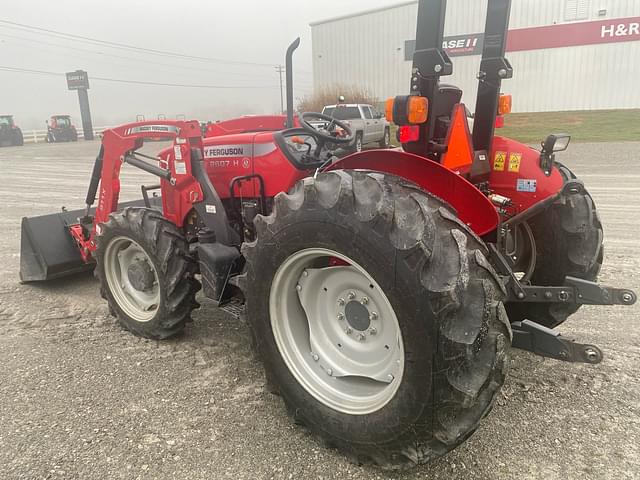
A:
(443, 103)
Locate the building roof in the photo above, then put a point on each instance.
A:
(357, 14)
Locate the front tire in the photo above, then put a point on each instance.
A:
(145, 273)
(568, 241)
(452, 341)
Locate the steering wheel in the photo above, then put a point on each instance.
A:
(328, 133)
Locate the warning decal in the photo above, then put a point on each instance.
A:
(514, 162)
(499, 161)
(181, 168)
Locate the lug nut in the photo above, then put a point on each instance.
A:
(341, 302)
(329, 372)
(298, 287)
(351, 295)
(361, 337)
(348, 330)
(315, 357)
(373, 316)
(305, 274)
(365, 300)
(340, 316)
(372, 331)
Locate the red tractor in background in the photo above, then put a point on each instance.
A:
(61, 129)
(10, 133)
(383, 290)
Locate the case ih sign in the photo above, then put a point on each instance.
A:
(455, 45)
(550, 36)
(78, 80)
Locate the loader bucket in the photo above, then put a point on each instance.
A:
(47, 250)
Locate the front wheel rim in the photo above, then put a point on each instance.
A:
(336, 331)
(140, 305)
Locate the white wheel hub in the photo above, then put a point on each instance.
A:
(336, 331)
(132, 279)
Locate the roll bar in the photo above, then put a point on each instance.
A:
(430, 62)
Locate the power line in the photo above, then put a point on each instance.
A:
(99, 53)
(118, 45)
(137, 82)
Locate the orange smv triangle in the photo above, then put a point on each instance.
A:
(459, 147)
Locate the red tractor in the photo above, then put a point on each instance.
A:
(60, 129)
(383, 290)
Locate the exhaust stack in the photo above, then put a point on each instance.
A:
(289, 66)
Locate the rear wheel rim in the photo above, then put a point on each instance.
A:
(336, 331)
(140, 305)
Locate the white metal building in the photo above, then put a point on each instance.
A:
(566, 54)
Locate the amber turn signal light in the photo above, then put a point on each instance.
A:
(418, 110)
(407, 110)
(504, 104)
(388, 109)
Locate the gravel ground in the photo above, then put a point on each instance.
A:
(82, 399)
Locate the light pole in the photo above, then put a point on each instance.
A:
(280, 70)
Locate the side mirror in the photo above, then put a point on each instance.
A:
(556, 142)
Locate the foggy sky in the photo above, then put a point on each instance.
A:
(245, 30)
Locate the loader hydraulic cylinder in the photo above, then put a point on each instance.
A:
(95, 181)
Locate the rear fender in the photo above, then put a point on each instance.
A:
(472, 206)
(516, 174)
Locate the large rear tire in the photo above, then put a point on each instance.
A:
(18, 138)
(568, 242)
(373, 241)
(145, 273)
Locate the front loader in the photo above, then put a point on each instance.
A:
(384, 290)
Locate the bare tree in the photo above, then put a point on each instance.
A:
(329, 96)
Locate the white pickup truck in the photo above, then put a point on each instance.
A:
(367, 124)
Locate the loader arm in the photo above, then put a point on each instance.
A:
(119, 145)
(184, 182)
